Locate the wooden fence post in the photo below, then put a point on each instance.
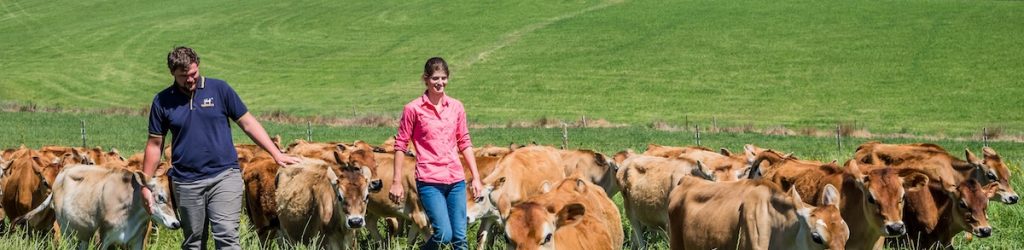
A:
(309, 131)
(83, 133)
(565, 136)
(696, 130)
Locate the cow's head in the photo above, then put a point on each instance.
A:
(351, 185)
(163, 200)
(884, 189)
(757, 167)
(971, 205)
(991, 169)
(360, 156)
(489, 205)
(826, 226)
(532, 225)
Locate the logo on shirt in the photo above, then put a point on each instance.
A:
(207, 102)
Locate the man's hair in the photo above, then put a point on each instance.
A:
(181, 57)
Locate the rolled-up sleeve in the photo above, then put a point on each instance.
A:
(405, 129)
(462, 131)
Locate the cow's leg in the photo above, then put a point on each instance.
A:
(372, 229)
(639, 242)
(485, 234)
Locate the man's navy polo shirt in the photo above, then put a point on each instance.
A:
(201, 145)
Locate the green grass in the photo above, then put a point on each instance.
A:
(919, 66)
(128, 134)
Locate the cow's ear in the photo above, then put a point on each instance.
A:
(4, 163)
(915, 181)
(989, 153)
(581, 185)
(797, 200)
(139, 178)
(338, 157)
(38, 164)
(366, 173)
(991, 189)
(748, 150)
(277, 142)
(341, 147)
(600, 159)
(570, 214)
(725, 152)
(331, 175)
(702, 170)
(853, 168)
(971, 157)
(833, 162)
(161, 169)
(831, 196)
(545, 187)
(501, 181)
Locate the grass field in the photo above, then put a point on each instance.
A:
(918, 66)
(127, 134)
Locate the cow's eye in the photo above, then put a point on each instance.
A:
(871, 199)
(963, 204)
(160, 199)
(991, 176)
(547, 239)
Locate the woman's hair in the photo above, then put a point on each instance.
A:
(433, 65)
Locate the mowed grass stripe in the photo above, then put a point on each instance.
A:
(127, 133)
(932, 67)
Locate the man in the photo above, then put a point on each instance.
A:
(206, 178)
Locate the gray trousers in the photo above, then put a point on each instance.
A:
(215, 202)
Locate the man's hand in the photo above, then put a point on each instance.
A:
(148, 201)
(285, 160)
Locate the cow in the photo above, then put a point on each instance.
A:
(320, 202)
(595, 167)
(726, 165)
(752, 214)
(485, 164)
(410, 211)
(670, 151)
(873, 196)
(964, 211)
(646, 182)
(90, 200)
(574, 215)
(24, 188)
(935, 159)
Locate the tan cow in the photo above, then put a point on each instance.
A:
(752, 214)
(965, 211)
(520, 175)
(410, 211)
(91, 200)
(485, 164)
(936, 160)
(873, 197)
(595, 167)
(323, 202)
(575, 215)
(646, 182)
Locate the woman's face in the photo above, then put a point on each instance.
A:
(436, 82)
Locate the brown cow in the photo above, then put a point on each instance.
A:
(752, 214)
(646, 182)
(485, 164)
(520, 175)
(24, 188)
(872, 201)
(322, 201)
(936, 160)
(965, 211)
(575, 215)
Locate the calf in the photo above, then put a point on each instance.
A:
(409, 210)
(90, 200)
(646, 182)
(318, 200)
(575, 215)
(752, 214)
(24, 188)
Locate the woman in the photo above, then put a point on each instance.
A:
(436, 123)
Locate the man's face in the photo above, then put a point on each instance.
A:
(187, 78)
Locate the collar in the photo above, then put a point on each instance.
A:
(202, 85)
(426, 100)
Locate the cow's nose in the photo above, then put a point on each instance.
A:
(895, 229)
(175, 225)
(1012, 199)
(983, 232)
(355, 222)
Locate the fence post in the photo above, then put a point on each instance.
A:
(686, 121)
(696, 130)
(714, 124)
(565, 136)
(584, 121)
(984, 136)
(839, 140)
(83, 133)
(309, 131)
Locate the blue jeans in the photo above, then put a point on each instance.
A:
(445, 205)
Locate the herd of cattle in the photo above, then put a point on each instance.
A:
(540, 197)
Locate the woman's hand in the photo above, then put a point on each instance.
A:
(397, 193)
(478, 189)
